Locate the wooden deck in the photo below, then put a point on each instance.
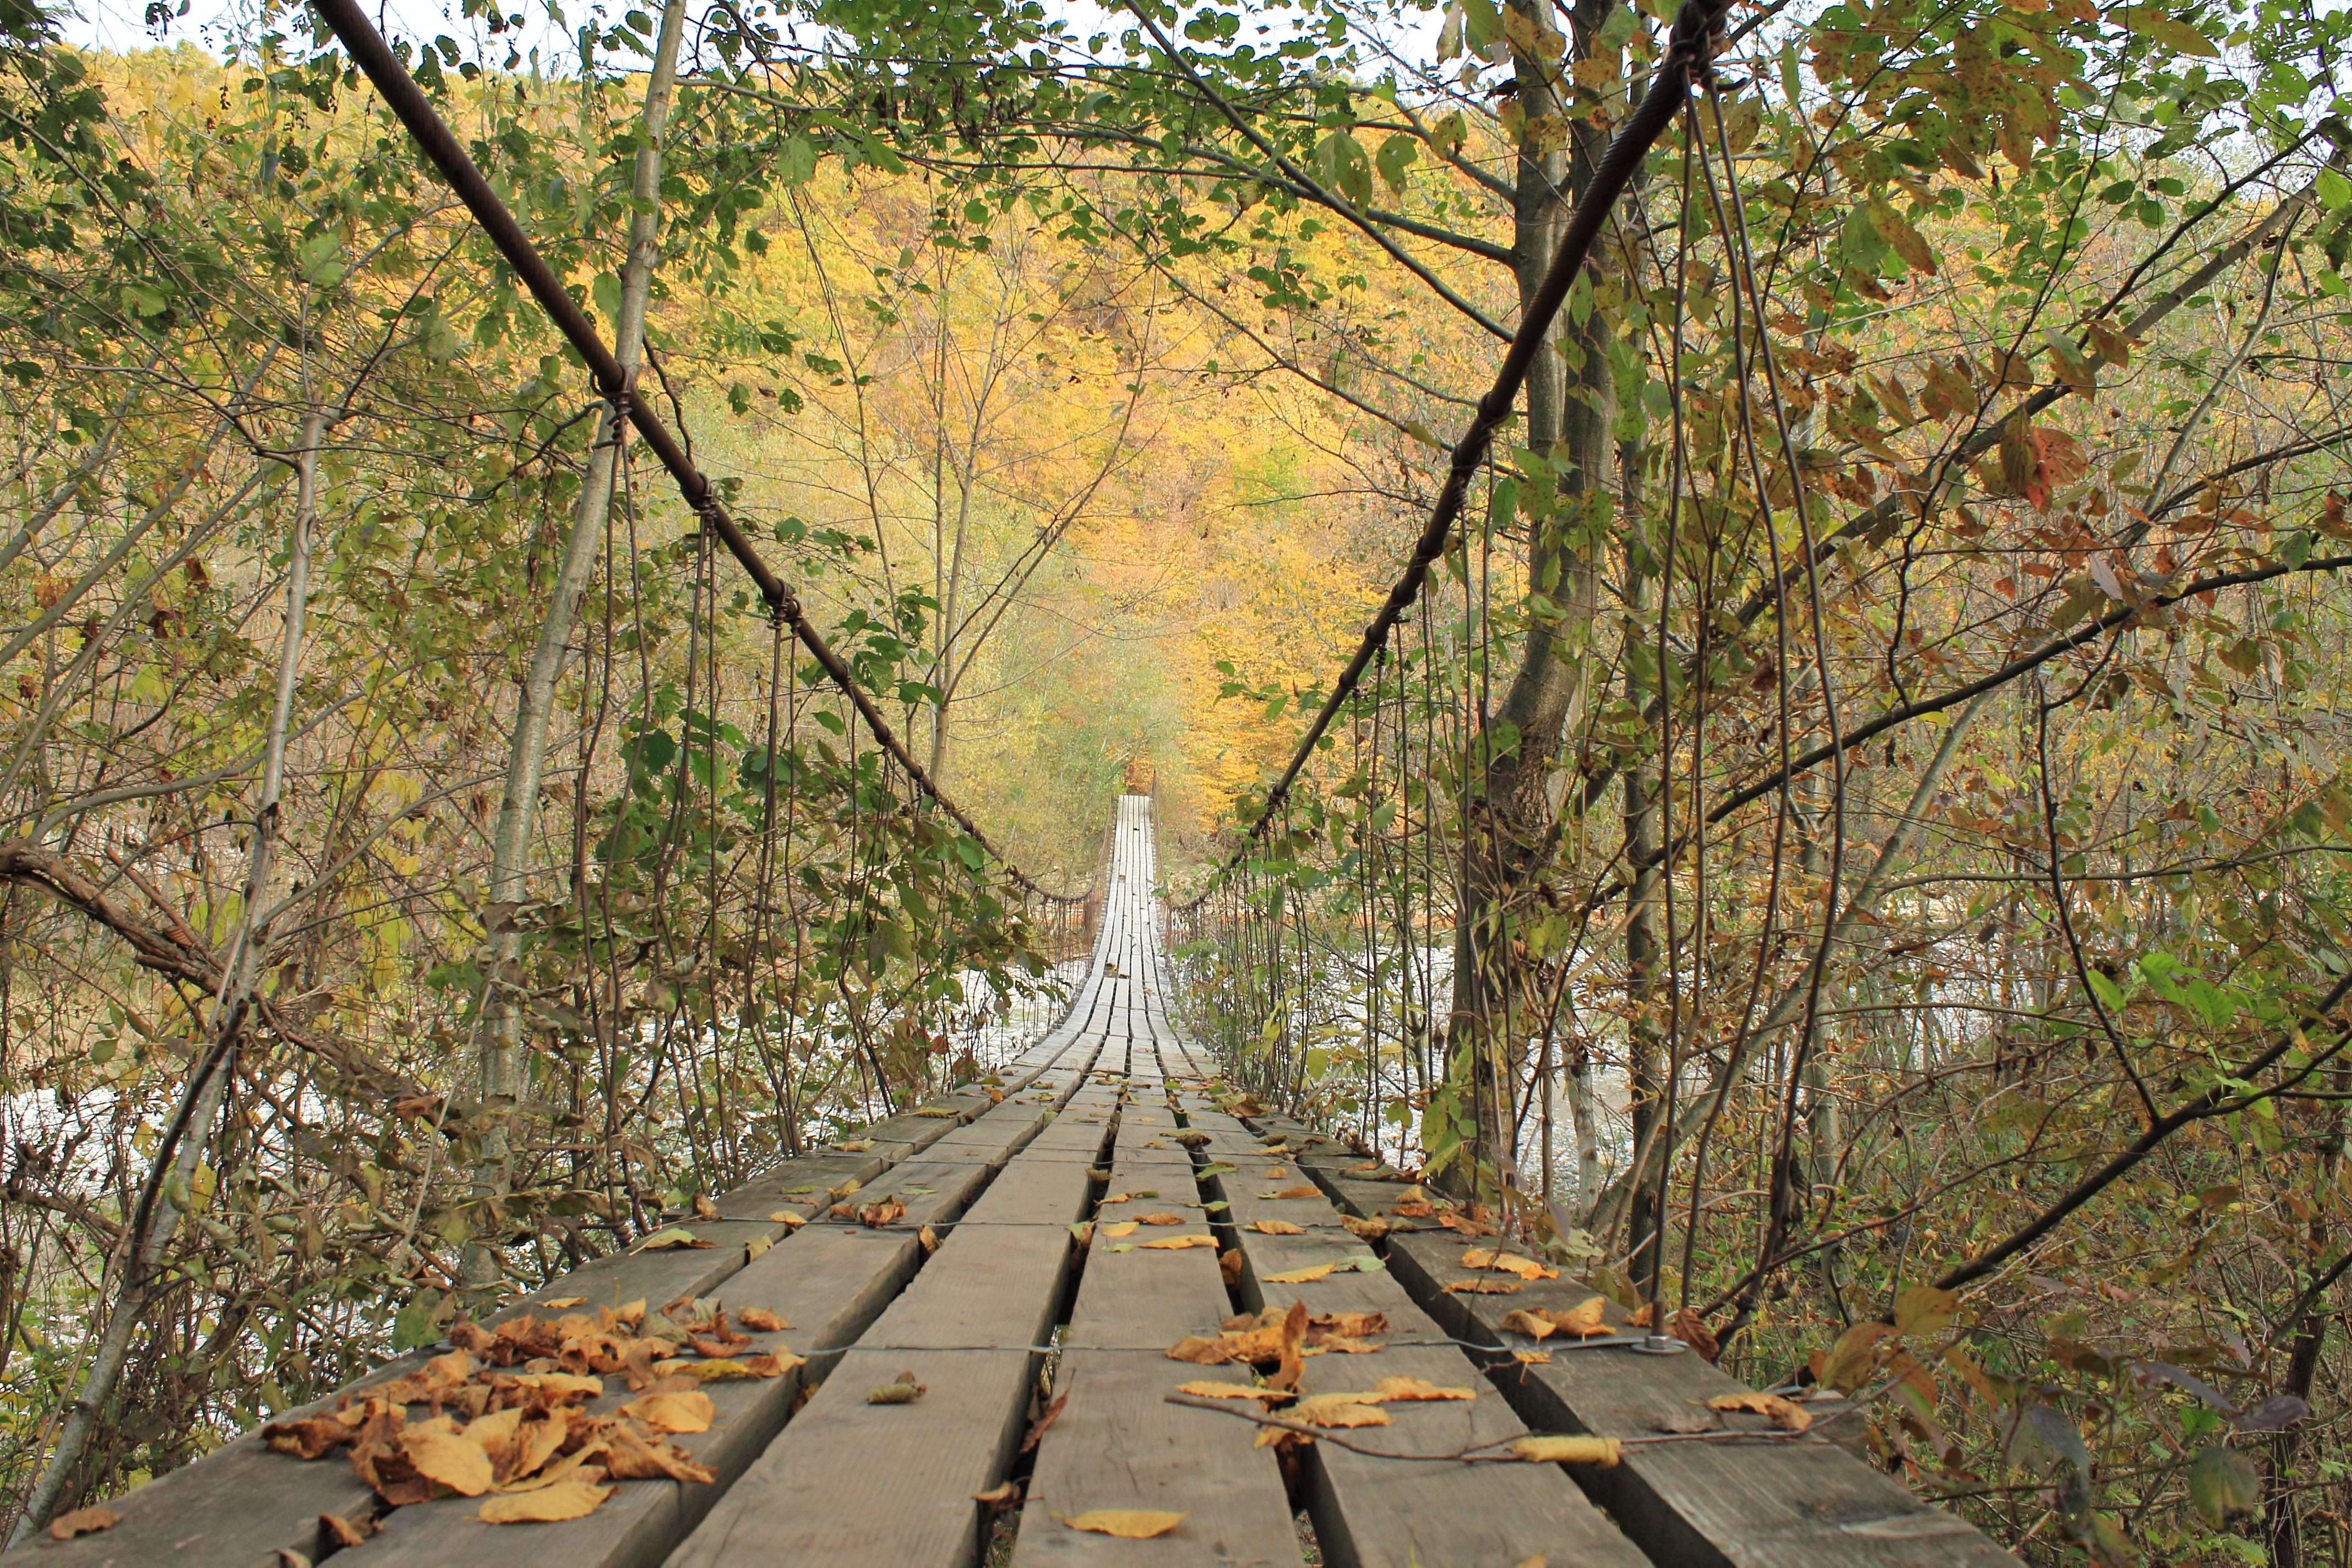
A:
(992, 1290)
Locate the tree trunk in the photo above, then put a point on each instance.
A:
(503, 1061)
(166, 1192)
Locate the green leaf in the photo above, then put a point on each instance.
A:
(2334, 189)
(1397, 154)
(2223, 1482)
(796, 165)
(2174, 34)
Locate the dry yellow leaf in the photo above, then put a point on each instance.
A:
(1602, 1451)
(1208, 1388)
(1119, 1228)
(1413, 1388)
(1161, 1217)
(1532, 1358)
(563, 1301)
(1302, 1276)
(1288, 1193)
(1276, 1228)
(443, 1456)
(1583, 1320)
(565, 1500)
(1173, 1242)
(1127, 1523)
(689, 1411)
(759, 1320)
(1199, 1349)
(1340, 1410)
(81, 1522)
(1510, 1263)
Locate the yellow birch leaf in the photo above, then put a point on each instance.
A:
(1602, 1451)
(1302, 1276)
(565, 1500)
(1127, 1523)
(1276, 1228)
(1121, 1228)
(1413, 1388)
(447, 1459)
(690, 1412)
(1177, 1243)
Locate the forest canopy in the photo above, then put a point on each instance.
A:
(1845, 847)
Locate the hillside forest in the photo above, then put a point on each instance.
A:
(1841, 837)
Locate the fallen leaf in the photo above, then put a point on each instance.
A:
(1209, 1388)
(790, 1217)
(929, 1239)
(446, 1457)
(1115, 1198)
(1510, 1263)
(1177, 1243)
(1602, 1451)
(704, 1208)
(1785, 1415)
(629, 1456)
(1276, 1228)
(691, 1411)
(1340, 1410)
(663, 1240)
(1532, 1358)
(1161, 1218)
(756, 1248)
(1229, 1267)
(1288, 1193)
(1127, 1523)
(83, 1521)
(1409, 1389)
(900, 1390)
(1119, 1228)
(1372, 1229)
(563, 1301)
(998, 1495)
(761, 1320)
(1052, 1413)
(1313, 1271)
(1687, 1421)
(547, 1505)
(1484, 1287)
(1199, 1350)
(347, 1531)
(1691, 1328)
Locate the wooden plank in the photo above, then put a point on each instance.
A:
(832, 1283)
(967, 1328)
(1382, 1511)
(1782, 1505)
(1117, 1442)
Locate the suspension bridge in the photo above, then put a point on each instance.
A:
(1011, 1326)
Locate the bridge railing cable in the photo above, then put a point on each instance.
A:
(406, 100)
(1696, 35)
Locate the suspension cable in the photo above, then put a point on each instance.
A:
(1697, 34)
(439, 143)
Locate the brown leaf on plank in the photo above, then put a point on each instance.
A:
(445, 1457)
(1290, 1193)
(1785, 1415)
(1052, 1413)
(83, 1521)
(1229, 1265)
(1125, 1523)
(309, 1438)
(1160, 1218)
(1408, 1390)
(1604, 1452)
(1209, 1388)
(673, 1411)
(347, 1531)
(1372, 1229)
(1276, 1228)
(1691, 1328)
(900, 1390)
(1200, 1350)
(1484, 1287)
(547, 1505)
(1509, 1263)
(1340, 1410)
(1687, 1421)
(631, 1456)
(760, 1321)
(1178, 1243)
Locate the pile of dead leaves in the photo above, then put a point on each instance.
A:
(1282, 1338)
(1583, 1321)
(1418, 1203)
(507, 1421)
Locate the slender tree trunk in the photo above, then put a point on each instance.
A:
(167, 1193)
(501, 1060)
(1570, 401)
